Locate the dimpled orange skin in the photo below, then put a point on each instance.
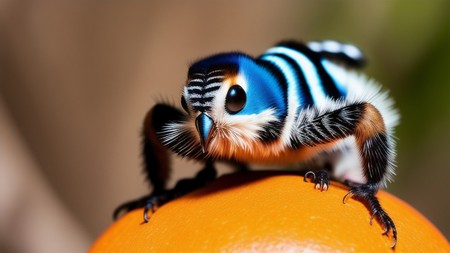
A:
(269, 212)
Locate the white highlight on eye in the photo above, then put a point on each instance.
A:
(308, 68)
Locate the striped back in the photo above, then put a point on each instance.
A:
(306, 72)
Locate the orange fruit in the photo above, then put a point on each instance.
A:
(269, 212)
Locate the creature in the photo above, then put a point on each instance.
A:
(293, 104)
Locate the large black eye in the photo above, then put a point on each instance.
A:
(236, 99)
(184, 104)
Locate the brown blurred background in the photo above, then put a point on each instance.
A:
(77, 78)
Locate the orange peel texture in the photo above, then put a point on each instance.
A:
(269, 212)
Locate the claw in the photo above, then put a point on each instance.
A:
(394, 232)
(146, 218)
(152, 204)
(345, 197)
(128, 206)
(366, 194)
(147, 208)
(309, 173)
(320, 179)
(373, 215)
(319, 186)
(119, 210)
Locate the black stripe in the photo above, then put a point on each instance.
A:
(216, 71)
(211, 89)
(201, 99)
(201, 107)
(327, 127)
(305, 93)
(198, 75)
(375, 153)
(199, 88)
(201, 91)
(272, 130)
(314, 136)
(194, 89)
(340, 56)
(328, 84)
(195, 86)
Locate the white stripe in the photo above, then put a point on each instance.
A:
(215, 71)
(190, 88)
(212, 77)
(210, 94)
(315, 46)
(212, 85)
(352, 51)
(206, 95)
(195, 95)
(293, 96)
(197, 80)
(308, 68)
(331, 46)
(339, 75)
(201, 104)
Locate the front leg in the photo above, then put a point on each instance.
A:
(365, 123)
(183, 186)
(156, 145)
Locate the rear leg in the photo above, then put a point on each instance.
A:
(366, 194)
(365, 123)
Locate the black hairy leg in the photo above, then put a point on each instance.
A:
(366, 194)
(157, 162)
(156, 199)
(320, 178)
(366, 124)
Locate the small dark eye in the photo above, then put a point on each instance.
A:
(184, 104)
(235, 99)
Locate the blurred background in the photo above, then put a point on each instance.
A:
(77, 77)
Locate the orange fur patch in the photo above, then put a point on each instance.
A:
(370, 124)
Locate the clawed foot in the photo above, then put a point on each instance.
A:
(154, 203)
(320, 178)
(366, 194)
(150, 203)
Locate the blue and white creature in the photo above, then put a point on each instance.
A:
(295, 104)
